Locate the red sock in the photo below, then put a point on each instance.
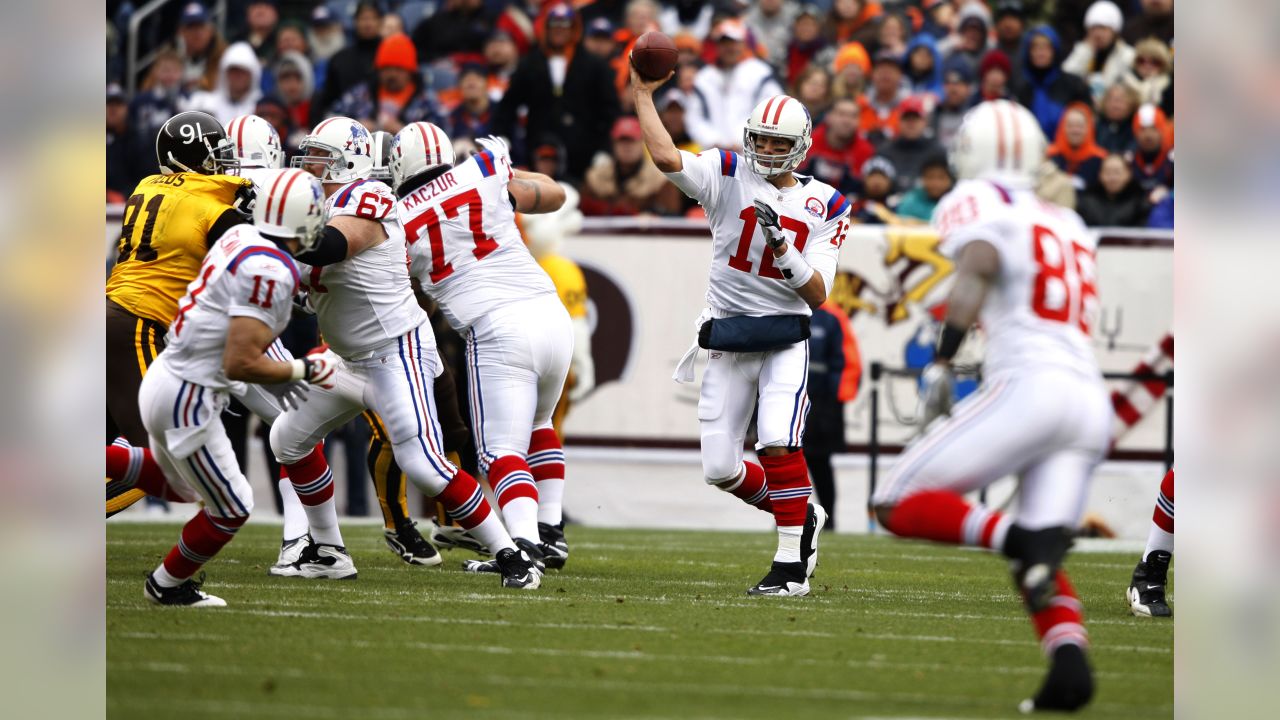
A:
(1163, 516)
(464, 500)
(944, 516)
(787, 477)
(510, 478)
(1063, 621)
(311, 477)
(546, 456)
(202, 537)
(137, 468)
(750, 487)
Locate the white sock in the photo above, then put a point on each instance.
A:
(551, 500)
(1158, 539)
(492, 534)
(521, 517)
(323, 519)
(164, 579)
(788, 543)
(295, 514)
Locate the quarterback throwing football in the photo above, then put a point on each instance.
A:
(776, 238)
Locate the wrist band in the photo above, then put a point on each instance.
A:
(795, 270)
(949, 341)
(299, 369)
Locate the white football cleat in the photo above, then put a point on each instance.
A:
(290, 550)
(319, 561)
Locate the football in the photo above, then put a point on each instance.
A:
(654, 55)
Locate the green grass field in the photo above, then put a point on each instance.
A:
(641, 624)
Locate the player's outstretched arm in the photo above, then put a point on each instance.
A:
(535, 192)
(656, 138)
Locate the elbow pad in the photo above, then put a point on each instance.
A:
(331, 248)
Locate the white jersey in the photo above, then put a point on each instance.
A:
(242, 276)
(464, 246)
(1041, 310)
(364, 302)
(744, 281)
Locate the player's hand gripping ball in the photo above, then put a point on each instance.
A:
(654, 56)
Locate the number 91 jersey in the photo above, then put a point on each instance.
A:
(744, 281)
(366, 301)
(1041, 310)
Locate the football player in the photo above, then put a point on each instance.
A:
(776, 238)
(1025, 270)
(238, 303)
(1146, 590)
(170, 221)
(359, 285)
(467, 253)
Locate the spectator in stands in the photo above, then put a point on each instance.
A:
(567, 94)
(808, 44)
(813, 90)
(1156, 21)
(237, 91)
(272, 109)
(972, 36)
(548, 157)
(879, 118)
(1068, 19)
(158, 99)
(290, 38)
(392, 24)
(625, 181)
(502, 56)
(201, 47)
(874, 207)
(1152, 72)
(354, 63)
(912, 145)
(471, 118)
(839, 149)
(994, 74)
(853, 20)
(1115, 123)
(457, 26)
(851, 64)
(1053, 185)
(726, 92)
(599, 40)
(1153, 157)
(125, 149)
(771, 21)
(1043, 87)
(395, 96)
(1117, 200)
(295, 86)
(893, 35)
(1102, 58)
(1074, 150)
(325, 36)
(1161, 217)
(939, 18)
(261, 18)
(936, 180)
(671, 110)
(924, 66)
(957, 98)
(641, 16)
(835, 369)
(1011, 25)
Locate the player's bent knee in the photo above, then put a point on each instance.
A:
(236, 507)
(287, 446)
(720, 462)
(431, 475)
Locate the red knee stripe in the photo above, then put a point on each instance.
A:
(1063, 620)
(511, 478)
(201, 539)
(464, 501)
(787, 477)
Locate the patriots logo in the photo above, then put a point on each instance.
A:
(815, 207)
(359, 141)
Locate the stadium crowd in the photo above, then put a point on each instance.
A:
(886, 84)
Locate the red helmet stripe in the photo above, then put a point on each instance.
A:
(293, 177)
(240, 123)
(321, 126)
(764, 116)
(1017, 140)
(777, 114)
(1000, 149)
(435, 143)
(271, 195)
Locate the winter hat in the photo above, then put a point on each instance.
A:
(397, 51)
(1104, 13)
(852, 53)
(880, 164)
(995, 59)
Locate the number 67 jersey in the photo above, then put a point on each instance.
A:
(1041, 310)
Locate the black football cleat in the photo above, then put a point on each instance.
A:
(1069, 685)
(783, 580)
(555, 550)
(188, 594)
(409, 545)
(1037, 555)
(1146, 590)
(815, 520)
(518, 570)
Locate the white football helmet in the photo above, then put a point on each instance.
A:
(999, 140)
(256, 142)
(779, 116)
(418, 147)
(342, 145)
(291, 205)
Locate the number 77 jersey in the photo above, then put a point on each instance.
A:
(1041, 310)
(463, 243)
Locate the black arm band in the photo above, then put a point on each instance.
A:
(949, 341)
(331, 249)
(227, 220)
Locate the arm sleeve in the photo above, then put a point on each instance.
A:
(699, 176)
(263, 290)
(823, 250)
(227, 219)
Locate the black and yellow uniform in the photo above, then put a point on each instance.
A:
(169, 223)
(389, 479)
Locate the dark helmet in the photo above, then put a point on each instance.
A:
(195, 142)
(382, 156)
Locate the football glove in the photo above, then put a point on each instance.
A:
(937, 388)
(767, 219)
(246, 198)
(493, 144)
(290, 394)
(316, 369)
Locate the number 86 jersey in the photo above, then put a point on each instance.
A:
(1041, 310)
